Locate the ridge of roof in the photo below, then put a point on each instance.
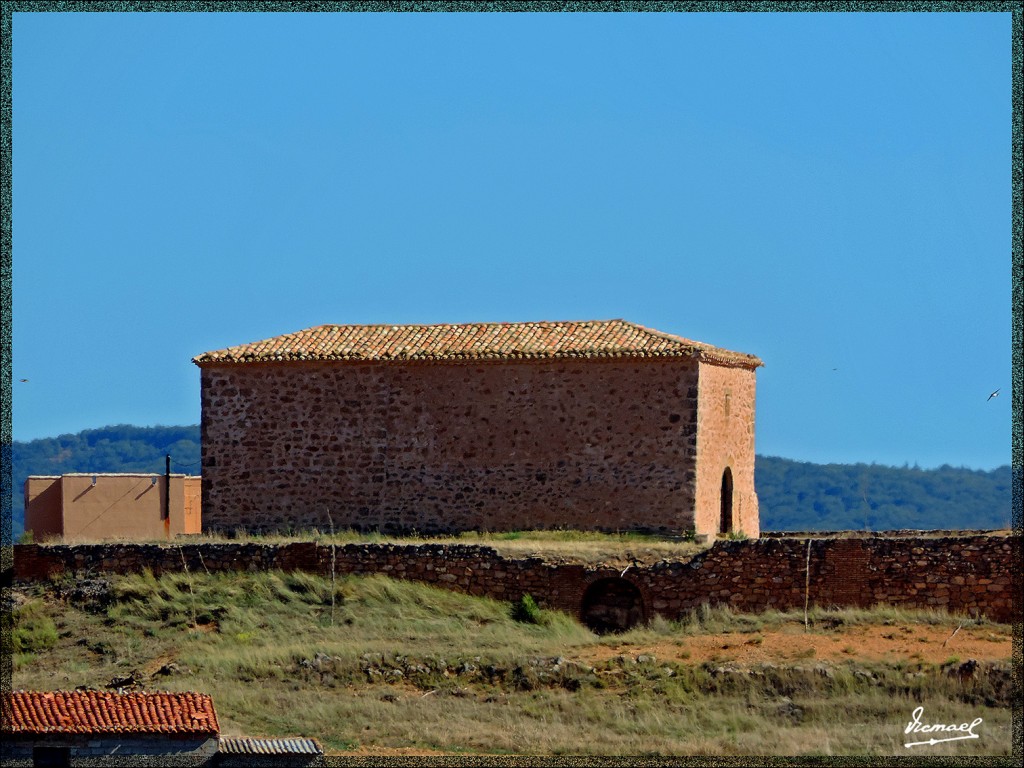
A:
(98, 712)
(475, 341)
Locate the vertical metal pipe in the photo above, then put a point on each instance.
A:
(167, 497)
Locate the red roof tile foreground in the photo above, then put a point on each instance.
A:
(101, 712)
(475, 341)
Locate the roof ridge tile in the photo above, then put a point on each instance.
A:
(476, 341)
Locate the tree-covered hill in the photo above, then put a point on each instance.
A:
(793, 495)
(799, 496)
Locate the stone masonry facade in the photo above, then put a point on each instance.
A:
(969, 575)
(440, 448)
(625, 440)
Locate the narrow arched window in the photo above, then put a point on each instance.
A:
(725, 525)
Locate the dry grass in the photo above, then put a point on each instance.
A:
(723, 619)
(409, 666)
(617, 549)
(578, 546)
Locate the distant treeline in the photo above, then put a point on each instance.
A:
(800, 496)
(794, 495)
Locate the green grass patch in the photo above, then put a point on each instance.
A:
(32, 629)
(527, 611)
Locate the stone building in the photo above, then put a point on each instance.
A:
(71, 727)
(599, 425)
(85, 505)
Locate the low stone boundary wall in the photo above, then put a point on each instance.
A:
(969, 575)
(964, 574)
(899, 533)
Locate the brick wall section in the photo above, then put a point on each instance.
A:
(847, 570)
(725, 438)
(605, 444)
(969, 575)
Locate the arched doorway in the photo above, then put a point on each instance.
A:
(612, 605)
(725, 525)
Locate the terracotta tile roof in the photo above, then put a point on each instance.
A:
(475, 341)
(104, 712)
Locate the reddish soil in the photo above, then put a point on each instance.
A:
(918, 643)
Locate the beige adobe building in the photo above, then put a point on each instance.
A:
(598, 425)
(111, 506)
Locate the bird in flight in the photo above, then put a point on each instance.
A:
(23, 380)
(994, 394)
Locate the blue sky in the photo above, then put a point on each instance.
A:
(828, 191)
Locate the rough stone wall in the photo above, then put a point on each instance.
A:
(587, 444)
(33, 562)
(895, 533)
(725, 438)
(970, 574)
(156, 749)
(958, 574)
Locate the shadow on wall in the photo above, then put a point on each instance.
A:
(612, 605)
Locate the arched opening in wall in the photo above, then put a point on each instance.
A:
(725, 526)
(612, 605)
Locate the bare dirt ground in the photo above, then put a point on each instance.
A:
(920, 643)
